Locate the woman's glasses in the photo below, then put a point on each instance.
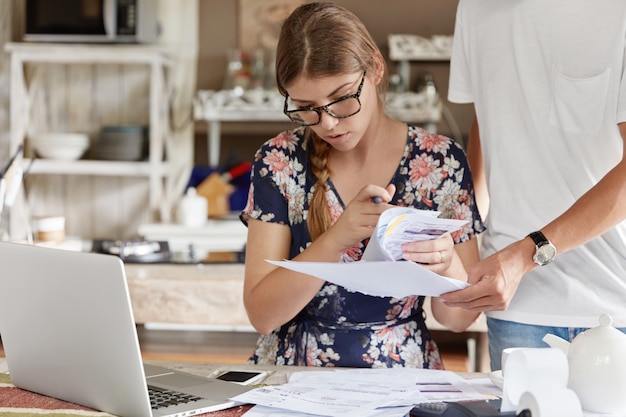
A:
(341, 108)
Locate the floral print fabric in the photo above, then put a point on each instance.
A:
(340, 327)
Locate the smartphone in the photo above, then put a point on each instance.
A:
(243, 377)
(478, 408)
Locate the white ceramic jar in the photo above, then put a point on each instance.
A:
(192, 209)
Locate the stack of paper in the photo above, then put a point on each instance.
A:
(359, 392)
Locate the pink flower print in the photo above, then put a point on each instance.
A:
(432, 142)
(433, 356)
(407, 306)
(250, 203)
(462, 212)
(425, 172)
(277, 162)
(334, 206)
(403, 309)
(352, 254)
(393, 337)
(284, 141)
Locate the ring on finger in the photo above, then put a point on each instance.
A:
(440, 256)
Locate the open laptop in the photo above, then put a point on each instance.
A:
(68, 332)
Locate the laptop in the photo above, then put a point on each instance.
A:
(68, 332)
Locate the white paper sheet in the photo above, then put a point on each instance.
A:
(364, 392)
(262, 411)
(382, 278)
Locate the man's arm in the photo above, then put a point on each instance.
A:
(497, 277)
(475, 159)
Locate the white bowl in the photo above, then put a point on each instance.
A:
(62, 146)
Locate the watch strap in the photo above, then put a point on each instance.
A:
(539, 238)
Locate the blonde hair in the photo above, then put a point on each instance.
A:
(318, 40)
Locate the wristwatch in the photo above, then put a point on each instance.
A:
(545, 251)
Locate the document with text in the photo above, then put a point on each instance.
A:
(399, 225)
(359, 392)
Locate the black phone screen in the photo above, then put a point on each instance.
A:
(238, 376)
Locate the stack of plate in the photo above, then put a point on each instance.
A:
(62, 146)
(122, 143)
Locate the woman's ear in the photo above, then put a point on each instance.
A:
(379, 63)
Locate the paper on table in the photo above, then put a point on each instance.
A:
(382, 278)
(399, 225)
(361, 392)
(264, 411)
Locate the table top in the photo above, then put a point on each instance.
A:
(12, 398)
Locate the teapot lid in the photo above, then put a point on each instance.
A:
(605, 320)
(605, 330)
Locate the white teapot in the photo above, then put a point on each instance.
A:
(597, 366)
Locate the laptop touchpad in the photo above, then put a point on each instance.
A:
(177, 380)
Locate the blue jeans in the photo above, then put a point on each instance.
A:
(504, 334)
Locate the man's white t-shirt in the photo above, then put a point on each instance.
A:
(547, 79)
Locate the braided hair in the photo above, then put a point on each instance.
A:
(318, 40)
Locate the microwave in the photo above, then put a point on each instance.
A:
(99, 21)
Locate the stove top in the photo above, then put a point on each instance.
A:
(134, 251)
(146, 251)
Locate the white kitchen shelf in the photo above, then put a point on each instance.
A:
(94, 167)
(214, 236)
(156, 169)
(216, 107)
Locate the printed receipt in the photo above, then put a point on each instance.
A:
(399, 225)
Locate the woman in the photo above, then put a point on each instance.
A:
(311, 199)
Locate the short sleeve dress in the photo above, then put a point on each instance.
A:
(340, 327)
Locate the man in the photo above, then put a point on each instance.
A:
(547, 80)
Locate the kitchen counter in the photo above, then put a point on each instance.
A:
(201, 296)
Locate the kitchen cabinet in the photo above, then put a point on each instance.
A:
(155, 170)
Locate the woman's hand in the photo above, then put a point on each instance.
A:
(360, 217)
(455, 318)
(435, 255)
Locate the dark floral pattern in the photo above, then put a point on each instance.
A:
(340, 327)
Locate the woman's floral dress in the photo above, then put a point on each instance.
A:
(340, 327)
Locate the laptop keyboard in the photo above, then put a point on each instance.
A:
(161, 397)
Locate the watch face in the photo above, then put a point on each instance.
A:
(545, 254)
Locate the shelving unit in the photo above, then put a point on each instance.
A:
(217, 107)
(156, 169)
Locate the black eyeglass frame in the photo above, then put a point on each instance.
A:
(326, 107)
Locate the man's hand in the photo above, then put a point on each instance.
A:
(494, 279)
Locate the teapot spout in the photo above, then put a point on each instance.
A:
(556, 342)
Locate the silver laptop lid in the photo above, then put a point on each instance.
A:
(67, 328)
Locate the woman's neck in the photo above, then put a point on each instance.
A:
(384, 135)
(374, 161)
